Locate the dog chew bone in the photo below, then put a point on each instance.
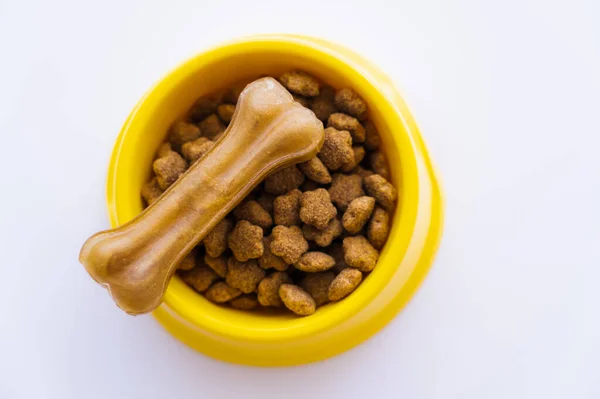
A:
(269, 131)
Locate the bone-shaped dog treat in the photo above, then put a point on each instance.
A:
(269, 131)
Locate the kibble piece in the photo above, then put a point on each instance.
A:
(288, 243)
(305, 102)
(309, 185)
(316, 208)
(218, 264)
(225, 112)
(313, 262)
(151, 191)
(382, 190)
(254, 213)
(315, 171)
(231, 96)
(344, 283)
(244, 302)
(297, 300)
(362, 172)
(244, 276)
(203, 107)
(359, 253)
(169, 168)
(245, 241)
(286, 208)
(357, 214)
(220, 292)
(193, 150)
(215, 242)
(379, 164)
(301, 83)
(188, 262)
(268, 260)
(268, 289)
(211, 126)
(266, 201)
(337, 149)
(200, 278)
(317, 285)
(164, 149)
(336, 250)
(342, 121)
(372, 140)
(182, 132)
(323, 238)
(323, 105)
(349, 102)
(283, 181)
(378, 228)
(359, 154)
(345, 188)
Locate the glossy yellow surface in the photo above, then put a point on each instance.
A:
(274, 339)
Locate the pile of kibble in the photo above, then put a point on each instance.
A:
(307, 234)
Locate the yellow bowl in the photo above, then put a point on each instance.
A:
(277, 339)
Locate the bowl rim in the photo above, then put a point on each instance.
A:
(182, 299)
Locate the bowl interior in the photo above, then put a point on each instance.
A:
(219, 69)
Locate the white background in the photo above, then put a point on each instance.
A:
(507, 95)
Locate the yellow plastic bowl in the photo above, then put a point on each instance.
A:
(278, 339)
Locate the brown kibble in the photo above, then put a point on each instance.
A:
(245, 241)
(357, 214)
(359, 154)
(301, 83)
(225, 112)
(254, 213)
(337, 149)
(372, 140)
(313, 262)
(244, 302)
(218, 264)
(288, 243)
(203, 107)
(180, 133)
(349, 102)
(188, 262)
(244, 276)
(344, 283)
(305, 102)
(316, 208)
(344, 188)
(317, 285)
(323, 105)
(315, 171)
(266, 201)
(168, 169)
(199, 278)
(268, 289)
(283, 181)
(231, 96)
(193, 150)
(346, 122)
(362, 172)
(151, 191)
(220, 292)
(379, 164)
(211, 126)
(297, 300)
(286, 208)
(382, 190)
(378, 228)
(323, 238)
(268, 260)
(359, 253)
(309, 185)
(336, 250)
(215, 241)
(164, 149)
